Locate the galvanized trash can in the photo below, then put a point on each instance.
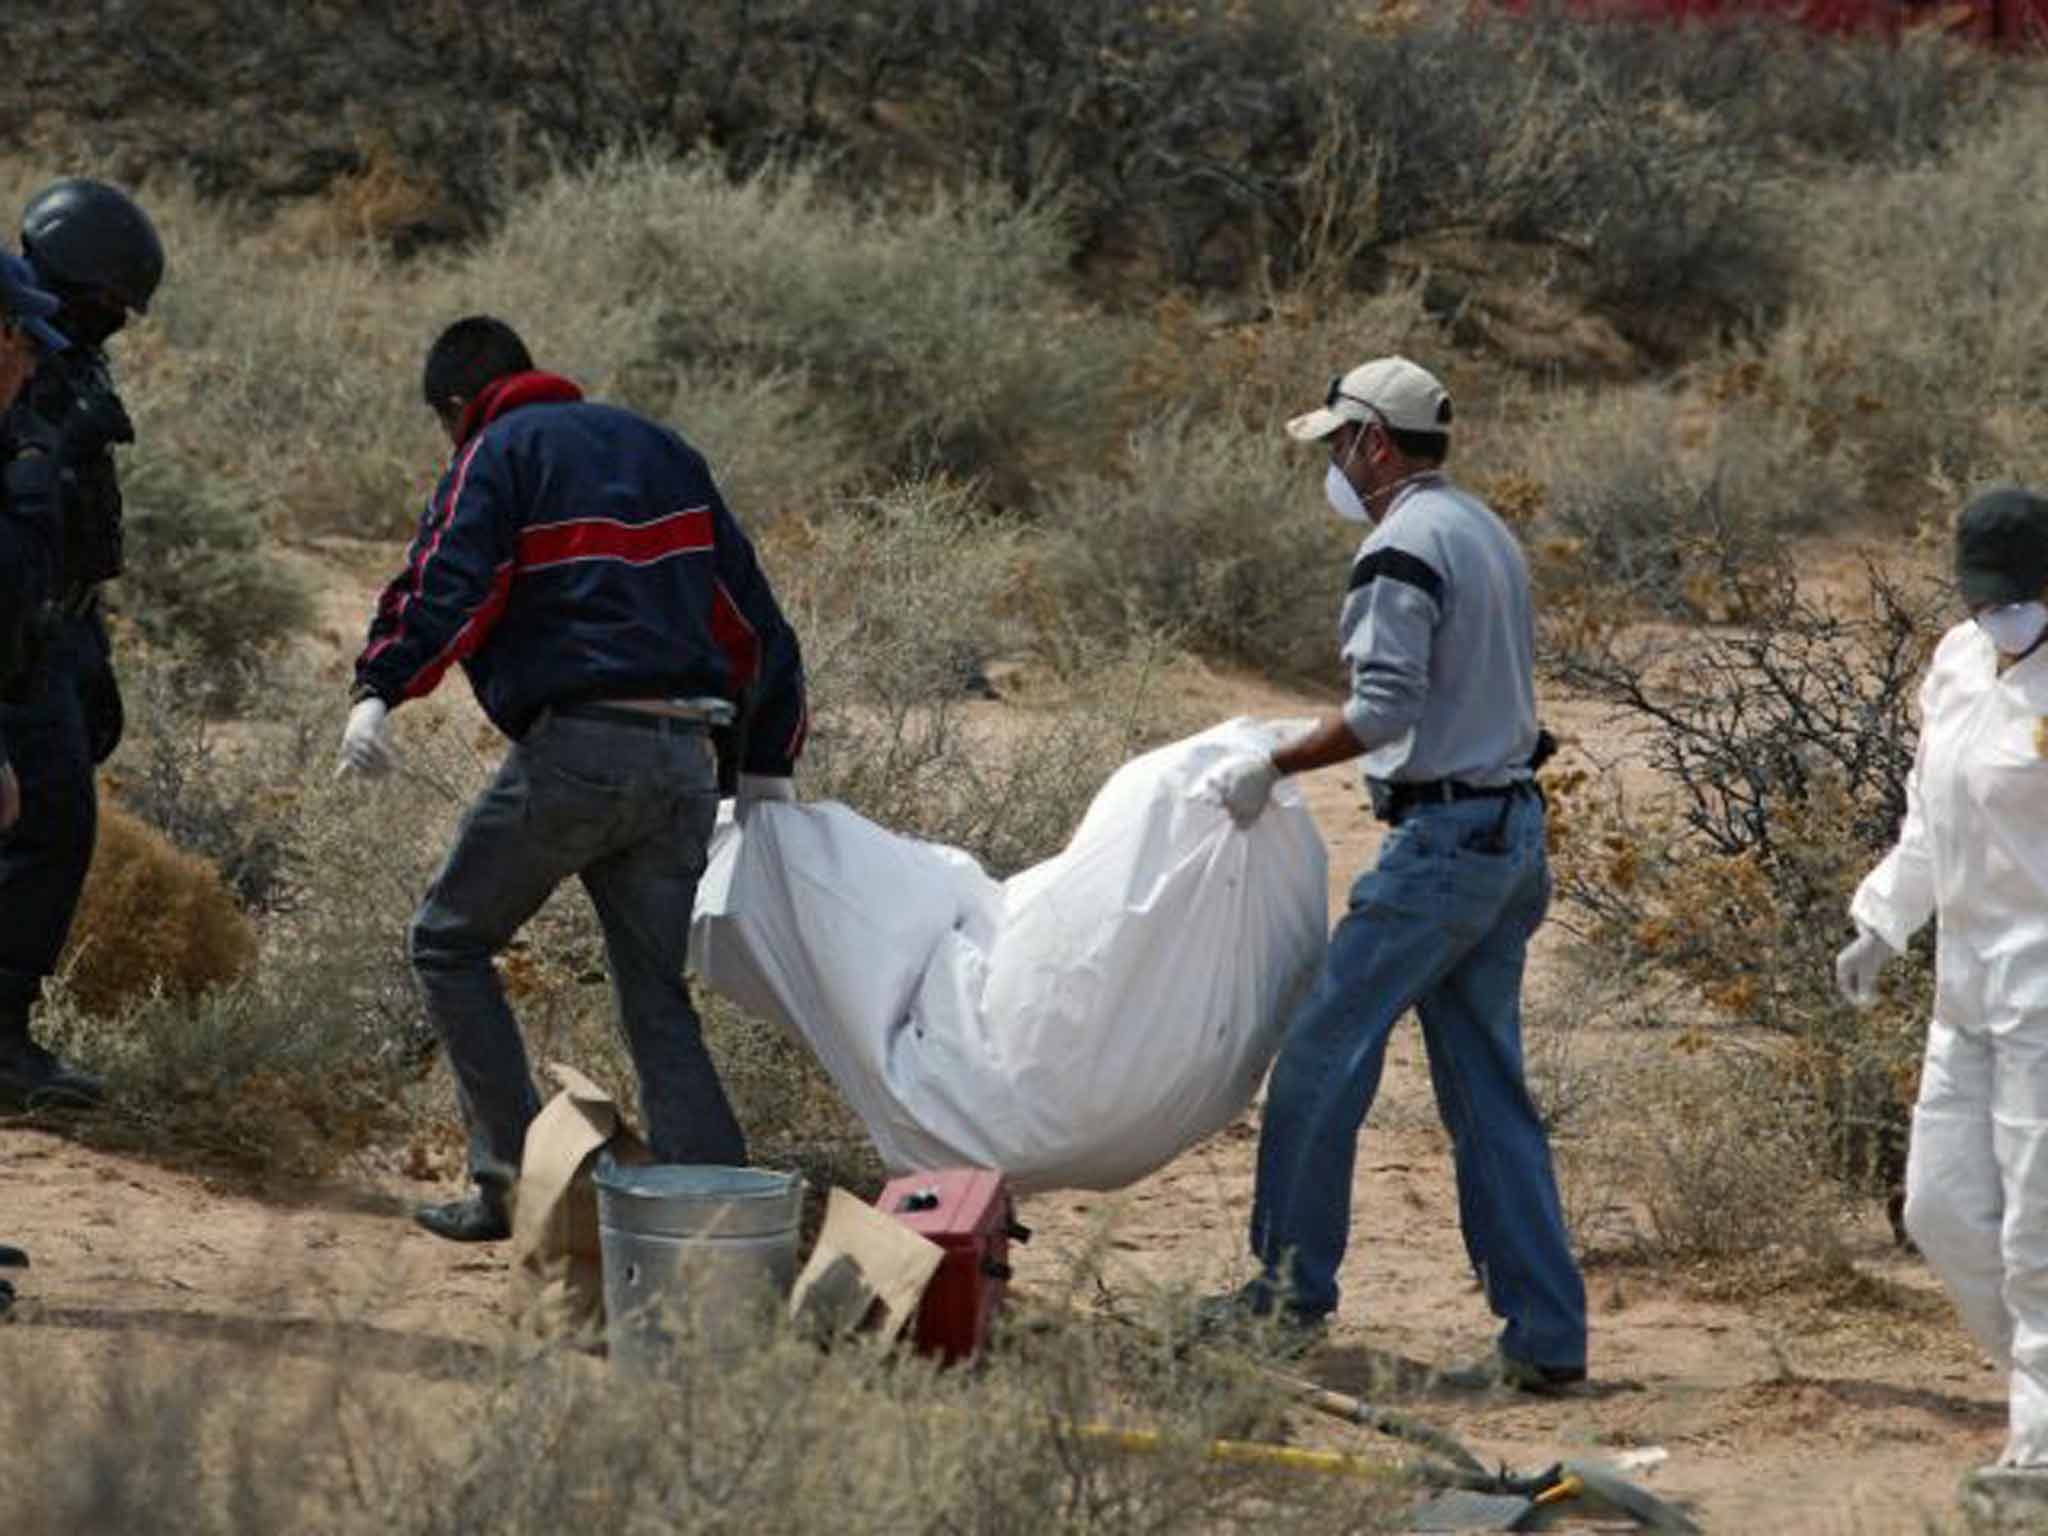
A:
(703, 1250)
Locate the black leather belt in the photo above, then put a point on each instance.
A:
(647, 720)
(1393, 799)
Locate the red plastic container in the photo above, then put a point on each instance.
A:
(969, 1213)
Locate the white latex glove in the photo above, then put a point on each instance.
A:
(1856, 967)
(753, 788)
(1243, 785)
(366, 741)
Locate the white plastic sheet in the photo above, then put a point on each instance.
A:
(1075, 1026)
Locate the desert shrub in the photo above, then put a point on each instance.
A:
(1197, 135)
(929, 332)
(199, 578)
(318, 1051)
(805, 340)
(1719, 1174)
(1210, 536)
(375, 1431)
(152, 918)
(1793, 94)
(181, 772)
(1640, 495)
(1917, 398)
(1785, 745)
(906, 601)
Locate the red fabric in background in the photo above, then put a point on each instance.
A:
(2010, 23)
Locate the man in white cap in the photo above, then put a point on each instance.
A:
(1438, 637)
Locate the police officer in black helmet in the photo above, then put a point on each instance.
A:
(91, 246)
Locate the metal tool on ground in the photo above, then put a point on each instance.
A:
(1576, 1487)
(1355, 1410)
(1462, 1500)
(1465, 1495)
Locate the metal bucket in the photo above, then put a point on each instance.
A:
(702, 1252)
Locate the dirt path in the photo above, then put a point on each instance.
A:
(1781, 1415)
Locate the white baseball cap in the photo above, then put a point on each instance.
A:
(1392, 390)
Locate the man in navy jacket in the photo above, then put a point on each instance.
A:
(577, 561)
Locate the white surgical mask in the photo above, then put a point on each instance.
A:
(1343, 497)
(2015, 628)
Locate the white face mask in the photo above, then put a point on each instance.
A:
(2015, 628)
(1343, 497)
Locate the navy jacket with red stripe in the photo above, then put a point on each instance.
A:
(576, 552)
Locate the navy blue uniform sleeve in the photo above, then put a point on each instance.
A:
(760, 649)
(458, 573)
(29, 527)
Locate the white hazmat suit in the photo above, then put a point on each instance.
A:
(1973, 851)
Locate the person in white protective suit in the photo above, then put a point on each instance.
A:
(1973, 852)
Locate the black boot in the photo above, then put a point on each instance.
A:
(482, 1218)
(10, 1258)
(31, 1078)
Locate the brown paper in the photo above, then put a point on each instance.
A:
(866, 1267)
(557, 1263)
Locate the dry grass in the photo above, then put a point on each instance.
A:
(776, 1435)
(153, 917)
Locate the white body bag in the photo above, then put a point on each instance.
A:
(1075, 1026)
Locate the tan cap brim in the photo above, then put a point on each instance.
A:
(1312, 426)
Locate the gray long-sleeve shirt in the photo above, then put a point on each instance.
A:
(1439, 636)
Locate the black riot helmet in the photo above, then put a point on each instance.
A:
(93, 245)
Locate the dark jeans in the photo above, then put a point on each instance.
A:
(629, 811)
(1442, 925)
(44, 859)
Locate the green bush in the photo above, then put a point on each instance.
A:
(906, 601)
(347, 1427)
(1210, 537)
(931, 333)
(1912, 353)
(807, 342)
(199, 577)
(320, 1051)
(1643, 493)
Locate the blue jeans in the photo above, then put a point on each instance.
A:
(1441, 924)
(629, 810)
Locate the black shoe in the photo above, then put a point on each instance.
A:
(1249, 1314)
(1499, 1370)
(12, 1258)
(31, 1078)
(479, 1219)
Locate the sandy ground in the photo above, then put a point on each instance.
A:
(1779, 1415)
